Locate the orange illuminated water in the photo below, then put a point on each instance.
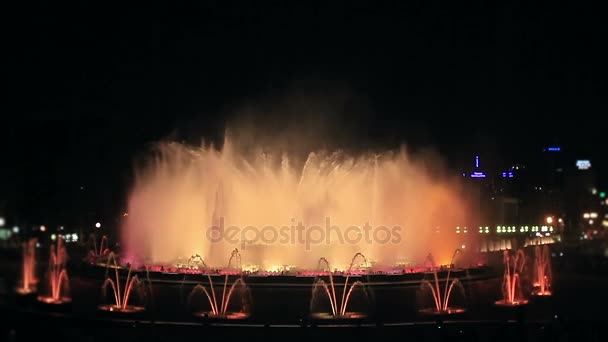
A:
(182, 192)
(28, 281)
(338, 304)
(121, 294)
(542, 271)
(58, 281)
(441, 299)
(233, 295)
(511, 286)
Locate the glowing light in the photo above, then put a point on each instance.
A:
(507, 174)
(53, 237)
(463, 246)
(560, 220)
(586, 215)
(550, 229)
(174, 199)
(61, 228)
(590, 221)
(554, 149)
(478, 174)
(2, 222)
(97, 225)
(602, 194)
(75, 237)
(583, 164)
(16, 230)
(42, 228)
(549, 219)
(476, 161)
(593, 215)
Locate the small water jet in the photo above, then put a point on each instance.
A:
(27, 284)
(98, 252)
(59, 282)
(338, 308)
(542, 271)
(122, 296)
(222, 309)
(196, 262)
(442, 302)
(511, 285)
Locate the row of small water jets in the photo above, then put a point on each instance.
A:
(326, 300)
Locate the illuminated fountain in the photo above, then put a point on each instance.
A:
(542, 271)
(442, 302)
(27, 284)
(59, 282)
(182, 193)
(227, 307)
(122, 295)
(339, 308)
(511, 285)
(98, 252)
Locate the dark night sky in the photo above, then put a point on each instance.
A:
(91, 85)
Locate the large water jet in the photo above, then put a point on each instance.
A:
(285, 210)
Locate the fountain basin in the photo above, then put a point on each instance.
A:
(115, 308)
(506, 303)
(542, 293)
(447, 312)
(329, 316)
(227, 315)
(54, 301)
(22, 291)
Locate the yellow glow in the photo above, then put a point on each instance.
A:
(549, 220)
